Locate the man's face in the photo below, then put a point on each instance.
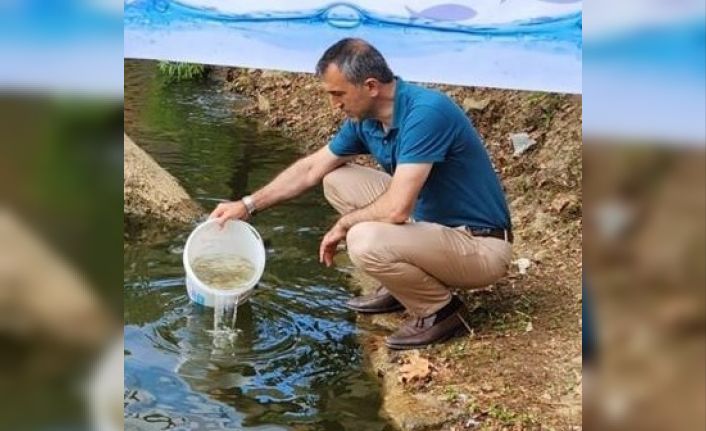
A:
(355, 101)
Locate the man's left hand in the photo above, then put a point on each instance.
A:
(329, 243)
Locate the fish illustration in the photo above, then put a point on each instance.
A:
(444, 12)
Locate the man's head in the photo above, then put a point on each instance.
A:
(352, 73)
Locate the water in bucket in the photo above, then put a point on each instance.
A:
(224, 271)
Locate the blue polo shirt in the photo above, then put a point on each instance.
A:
(428, 127)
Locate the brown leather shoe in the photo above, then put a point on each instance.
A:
(380, 301)
(422, 331)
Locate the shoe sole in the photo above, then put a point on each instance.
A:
(455, 333)
(420, 346)
(375, 310)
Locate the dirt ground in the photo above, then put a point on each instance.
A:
(521, 366)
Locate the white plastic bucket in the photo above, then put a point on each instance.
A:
(237, 237)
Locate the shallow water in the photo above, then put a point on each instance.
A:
(295, 362)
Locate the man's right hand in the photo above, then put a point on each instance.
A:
(229, 210)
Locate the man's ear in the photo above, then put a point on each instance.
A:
(373, 86)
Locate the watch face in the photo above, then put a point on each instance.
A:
(249, 204)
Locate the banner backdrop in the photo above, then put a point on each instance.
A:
(520, 44)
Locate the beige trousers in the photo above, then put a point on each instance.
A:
(417, 262)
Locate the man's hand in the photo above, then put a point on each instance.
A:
(229, 210)
(328, 244)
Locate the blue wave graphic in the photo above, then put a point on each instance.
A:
(541, 53)
(566, 28)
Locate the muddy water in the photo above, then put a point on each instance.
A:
(296, 363)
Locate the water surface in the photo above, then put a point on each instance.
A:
(297, 363)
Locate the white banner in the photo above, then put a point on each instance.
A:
(521, 44)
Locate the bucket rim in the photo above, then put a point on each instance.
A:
(259, 270)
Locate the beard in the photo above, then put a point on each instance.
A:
(361, 117)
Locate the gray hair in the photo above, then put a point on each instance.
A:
(357, 59)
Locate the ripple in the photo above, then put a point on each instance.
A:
(266, 331)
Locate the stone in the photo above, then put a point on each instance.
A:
(523, 265)
(150, 192)
(521, 142)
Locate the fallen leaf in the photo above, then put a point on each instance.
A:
(563, 201)
(418, 368)
(262, 103)
(471, 104)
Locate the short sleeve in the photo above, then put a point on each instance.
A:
(426, 137)
(347, 142)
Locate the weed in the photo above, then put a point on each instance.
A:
(178, 71)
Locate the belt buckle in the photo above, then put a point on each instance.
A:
(481, 231)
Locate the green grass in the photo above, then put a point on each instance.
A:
(178, 71)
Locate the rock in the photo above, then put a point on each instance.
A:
(471, 104)
(521, 142)
(471, 423)
(523, 265)
(150, 192)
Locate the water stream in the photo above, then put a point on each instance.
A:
(296, 362)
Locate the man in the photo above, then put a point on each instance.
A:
(436, 218)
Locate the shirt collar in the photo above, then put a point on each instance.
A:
(397, 107)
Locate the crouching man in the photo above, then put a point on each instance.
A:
(435, 219)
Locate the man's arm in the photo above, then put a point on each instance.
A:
(293, 181)
(397, 203)
(393, 206)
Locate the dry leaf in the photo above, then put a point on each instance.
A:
(417, 368)
(262, 103)
(471, 104)
(563, 201)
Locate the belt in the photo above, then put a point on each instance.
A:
(504, 234)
